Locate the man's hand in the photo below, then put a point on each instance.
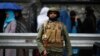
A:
(44, 53)
(77, 17)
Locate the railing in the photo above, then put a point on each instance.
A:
(28, 40)
(84, 40)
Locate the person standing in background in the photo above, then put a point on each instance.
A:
(21, 27)
(51, 36)
(42, 17)
(65, 18)
(75, 28)
(9, 23)
(89, 24)
(9, 27)
(76, 25)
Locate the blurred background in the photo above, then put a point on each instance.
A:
(80, 16)
(31, 9)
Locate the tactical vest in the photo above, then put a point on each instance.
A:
(52, 36)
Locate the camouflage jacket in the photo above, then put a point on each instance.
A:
(66, 40)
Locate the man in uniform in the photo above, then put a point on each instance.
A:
(53, 38)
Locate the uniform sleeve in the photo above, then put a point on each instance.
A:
(67, 41)
(39, 40)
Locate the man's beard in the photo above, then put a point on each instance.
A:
(53, 19)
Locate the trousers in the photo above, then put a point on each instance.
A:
(52, 53)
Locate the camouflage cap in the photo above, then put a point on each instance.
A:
(53, 9)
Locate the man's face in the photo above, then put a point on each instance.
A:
(52, 15)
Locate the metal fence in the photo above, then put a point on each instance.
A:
(28, 40)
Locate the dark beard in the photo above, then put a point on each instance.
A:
(53, 19)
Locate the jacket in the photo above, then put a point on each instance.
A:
(66, 39)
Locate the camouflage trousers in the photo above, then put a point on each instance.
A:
(51, 53)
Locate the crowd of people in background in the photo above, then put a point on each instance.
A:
(73, 22)
(71, 19)
(12, 21)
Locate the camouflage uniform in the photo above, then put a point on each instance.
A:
(54, 45)
(51, 53)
